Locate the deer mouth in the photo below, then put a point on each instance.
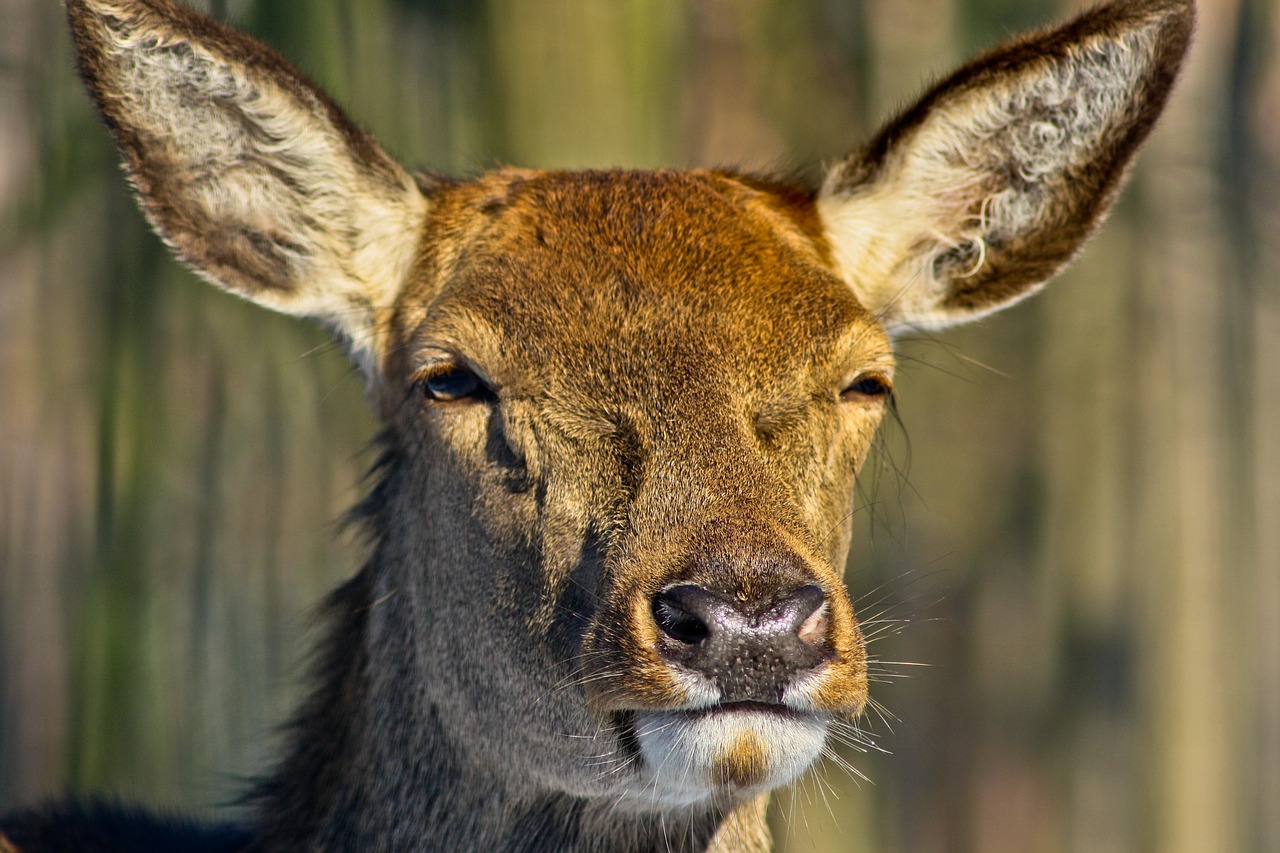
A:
(747, 707)
(726, 751)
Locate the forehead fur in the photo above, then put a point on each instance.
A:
(705, 262)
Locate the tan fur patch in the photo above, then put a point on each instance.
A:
(844, 687)
(6, 846)
(745, 764)
(745, 830)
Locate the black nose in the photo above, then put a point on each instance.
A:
(751, 649)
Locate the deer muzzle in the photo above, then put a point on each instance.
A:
(732, 671)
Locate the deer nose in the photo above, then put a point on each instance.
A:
(751, 649)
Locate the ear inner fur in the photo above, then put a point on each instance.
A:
(979, 193)
(247, 169)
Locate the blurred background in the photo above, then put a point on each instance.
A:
(1070, 546)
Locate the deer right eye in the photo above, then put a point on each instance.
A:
(450, 383)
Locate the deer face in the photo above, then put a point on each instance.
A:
(625, 409)
(633, 405)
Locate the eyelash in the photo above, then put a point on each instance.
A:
(871, 387)
(450, 382)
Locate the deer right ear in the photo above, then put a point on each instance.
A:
(246, 168)
(978, 194)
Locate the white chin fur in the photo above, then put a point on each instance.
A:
(686, 752)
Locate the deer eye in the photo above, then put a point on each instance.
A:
(451, 382)
(870, 387)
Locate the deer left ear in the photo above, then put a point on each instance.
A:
(974, 197)
(248, 170)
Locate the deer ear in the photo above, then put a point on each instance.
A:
(246, 168)
(979, 193)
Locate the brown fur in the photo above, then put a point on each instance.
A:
(678, 377)
(745, 764)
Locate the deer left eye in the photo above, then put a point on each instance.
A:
(453, 382)
(867, 388)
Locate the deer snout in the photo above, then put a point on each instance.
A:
(737, 617)
(763, 643)
(750, 649)
(732, 658)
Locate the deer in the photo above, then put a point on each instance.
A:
(624, 412)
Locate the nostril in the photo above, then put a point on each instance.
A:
(692, 615)
(676, 619)
(749, 648)
(813, 630)
(802, 613)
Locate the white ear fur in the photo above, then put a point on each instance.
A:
(977, 195)
(247, 170)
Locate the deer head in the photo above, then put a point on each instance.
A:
(625, 411)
